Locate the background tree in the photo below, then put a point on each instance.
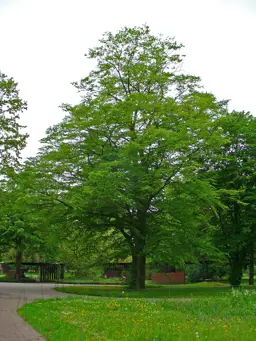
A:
(12, 141)
(12, 136)
(16, 227)
(24, 227)
(232, 170)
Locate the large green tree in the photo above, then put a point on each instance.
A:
(125, 159)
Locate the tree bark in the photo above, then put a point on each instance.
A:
(251, 267)
(237, 264)
(236, 275)
(138, 272)
(18, 265)
(136, 240)
(141, 272)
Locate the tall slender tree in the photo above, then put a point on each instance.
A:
(12, 136)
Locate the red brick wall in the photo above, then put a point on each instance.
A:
(168, 278)
(113, 274)
(10, 273)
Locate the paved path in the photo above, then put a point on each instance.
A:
(14, 295)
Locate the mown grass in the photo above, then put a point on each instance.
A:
(231, 317)
(84, 280)
(76, 280)
(163, 291)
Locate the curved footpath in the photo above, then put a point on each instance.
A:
(13, 296)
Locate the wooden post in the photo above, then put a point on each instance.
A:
(62, 272)
(18, 265)
(41, 272)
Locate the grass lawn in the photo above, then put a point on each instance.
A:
(153, 291)
(84, 280)
(228, 318)
(77, 280)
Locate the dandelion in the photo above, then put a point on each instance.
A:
(197, 335)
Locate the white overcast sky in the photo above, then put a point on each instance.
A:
(43, 43)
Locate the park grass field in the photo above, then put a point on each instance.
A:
(204, 289)
(75, 280)
(227, 317)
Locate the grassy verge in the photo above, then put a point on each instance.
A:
(232, 318)
(83, 280)
(164, 291)
(32, 278)
(13, 280)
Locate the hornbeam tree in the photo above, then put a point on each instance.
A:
(125, 158)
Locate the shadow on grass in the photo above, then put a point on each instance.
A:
(166, 291)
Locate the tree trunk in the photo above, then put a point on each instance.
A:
(137, 246)
(18, 265)
(138, 272)
(251, 267)
(237, 264)
(236, 275)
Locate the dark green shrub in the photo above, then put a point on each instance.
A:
(200, 272)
